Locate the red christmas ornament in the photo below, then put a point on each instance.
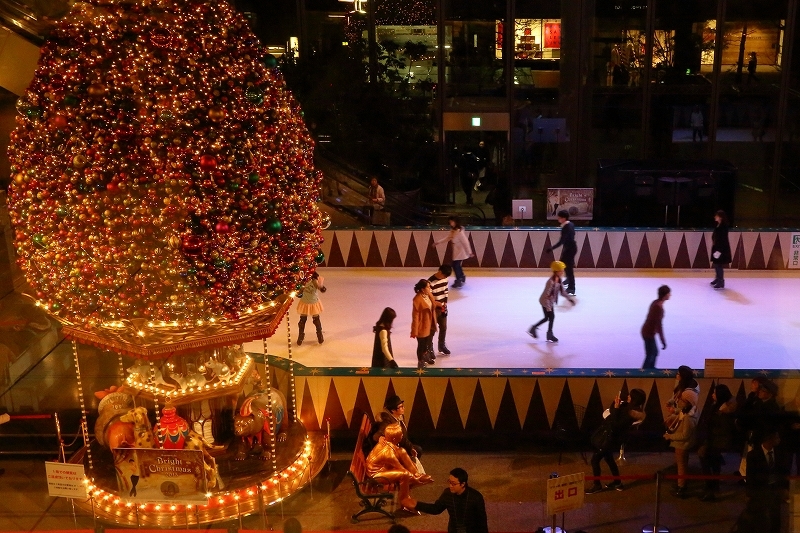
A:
(172, 430)
(192, 245)
(208, 163)
(222, 227)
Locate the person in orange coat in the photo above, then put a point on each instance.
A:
(423, 321)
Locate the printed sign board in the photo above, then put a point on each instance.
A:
(65, 480)
(565, 493)
(718, 368)
(579, 203)
(156, 475)
(794, 251)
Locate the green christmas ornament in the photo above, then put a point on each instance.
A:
(320, 257)
(254, 94)
(273, 226)
(62, 211)
(33, 112)
(253, 178)
(270, 61)
(71, 100)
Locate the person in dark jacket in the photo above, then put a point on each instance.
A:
(720, 249)
(464, 504)
(608, 438)
(382, 355)
(653, 326)
(766, 482)
(569, 250)
(716, 431)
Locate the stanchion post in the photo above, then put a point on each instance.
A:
(656, 527)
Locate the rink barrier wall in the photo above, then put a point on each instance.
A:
(499, 401)
(600, 248)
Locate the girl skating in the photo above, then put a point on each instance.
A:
(549, 299)
(310, 304)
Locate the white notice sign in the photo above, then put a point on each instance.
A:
(565, 493)
(65, 480)
(794, 251)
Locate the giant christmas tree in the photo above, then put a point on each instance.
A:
(162, 175)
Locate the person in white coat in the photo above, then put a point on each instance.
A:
(461, 249)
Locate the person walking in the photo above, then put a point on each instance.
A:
(549, 299)
(611, 434)
(382, 355)
(569, 250)
(720, 249)
(464, 504)
(461, 249)
(439, 289)
(310, 305)
(423, 322)
(653, 326)
(377, 198)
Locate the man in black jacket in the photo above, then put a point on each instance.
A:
(394, 412)
(464, 504)
(766, 480)
(569, 250)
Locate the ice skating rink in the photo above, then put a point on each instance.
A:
(755, 320)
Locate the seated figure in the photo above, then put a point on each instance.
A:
(388, 461)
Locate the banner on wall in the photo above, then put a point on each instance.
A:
(579, 203)
(794, 251)
(156, 475)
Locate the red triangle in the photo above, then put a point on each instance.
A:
(643, 259)
(448, 254)
(393, 258)
(536, 419)
(547, 257)
(528, 259)
(489, 257)
(412, 255)
(354, 257)
(586, 259)
(738, 256)
(478, 420)
(757, 257)
(431, 255)
(308, 414)
(374, 258)
(421, 421)
(662, 259)
(624, 259)
(776, 257)
(507, 421)
(449, 418)
(605, 260)
(701, 259)
(335, 258)
(682, 258)
(509, 259)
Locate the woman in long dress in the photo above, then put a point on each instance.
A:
(382, 356)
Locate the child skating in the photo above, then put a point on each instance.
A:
(310, 304)
(549, 299)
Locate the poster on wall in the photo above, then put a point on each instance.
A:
(579, 203)
(794, 251)
(156, 475)
(552, 35)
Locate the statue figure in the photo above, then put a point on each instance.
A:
(390, 463)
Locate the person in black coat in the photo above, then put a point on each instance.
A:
(716, 430)
(720, 249)
(464, 504)
(766, 481)
(569, 250)
(382, 355)
(608, 438)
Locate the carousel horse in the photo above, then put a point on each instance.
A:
(388, 462)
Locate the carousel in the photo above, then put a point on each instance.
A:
(164, 205)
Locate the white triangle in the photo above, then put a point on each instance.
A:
(318, 387)
(767, 244)
(538, 238)
(402, 238)
(376, 387)
(733, 238)
(344, 238)
(581, 391)
(522, 391)
(551, 390)
(596, 239)
(654, 244)
(673, 245)
(786, 247)
(499, 244)
(518, 239)
(364, 239)
(615, 239)
(384, 240)
(693, 240)
(479, 239)
(347, 390)
(635, 239)
(464, 392)
(749, 243)
(493, 390)
(421, 239)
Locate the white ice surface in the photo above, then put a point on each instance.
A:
(755, 320)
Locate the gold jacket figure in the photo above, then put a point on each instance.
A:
(388, 461)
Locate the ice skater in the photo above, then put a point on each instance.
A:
(570, 248)
(461, 249)
(720, 249)
(652, 326)
(549, 299)
(310, 304)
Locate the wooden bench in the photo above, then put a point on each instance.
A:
(373, 493)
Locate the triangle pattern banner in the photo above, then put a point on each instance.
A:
(522, 389)
(585, 257)
(361, 408)
(624, 259)
(749, 239)
(654, 240)
(528, 259)
(757, 261)
(786, 246)
(478, 417)
(595, 240)
(693, 239)
(376, 387)
(479, 239)
(318, 387)
(464, 391)
(674, 240)
(489, 259)
(364, 239)
(432, 257)
(374, 255)
(507, 420)
(518, 240)
(636, 241)
(406, 388)
(539, 241)
(772, 251)
(403, 240)
(334, 256)
(581, 390)
(384, 239)
(609, 387)
(327, 241)
(605, 259)
(345, 239)
(551, 394)
(434, 391)
(449, 418)
(665, 392)
(422, 240)
(307, 412)
(499, 239)
(355, 257)
(493, 389)
(333, 410)
(422, 421)
(662, 257)
(509, 257)
(615, 239)
(347, 390)
(412, 258)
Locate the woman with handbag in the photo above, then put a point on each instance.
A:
(609, 436)
(681, 434)
(382, 356)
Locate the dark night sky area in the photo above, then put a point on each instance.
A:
(277, 20)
